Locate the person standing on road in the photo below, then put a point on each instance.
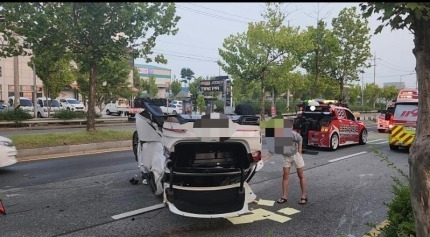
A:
(287, 142)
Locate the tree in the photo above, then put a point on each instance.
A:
(150, 86)
(354, 94)
(54, 72)
(371, 93)
(322, 56)
(92, 31)
(113, 75)
(389, 93)
(186, 74)
(268, 49)
(353, 35)
(175, 87)
(201, 104)
(195, 86)
(414, 17)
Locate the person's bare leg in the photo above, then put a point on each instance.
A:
(285, 181)
(302, 179)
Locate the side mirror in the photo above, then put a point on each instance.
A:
(358, 118)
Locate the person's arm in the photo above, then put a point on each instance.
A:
(300, 149)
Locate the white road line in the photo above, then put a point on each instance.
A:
(348, 156)
(138, 211)
(380, 143)
(376, 140)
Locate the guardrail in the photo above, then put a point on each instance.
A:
(47, 121)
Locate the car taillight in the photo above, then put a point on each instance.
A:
(256, 155)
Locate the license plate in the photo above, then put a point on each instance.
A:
(409, 128)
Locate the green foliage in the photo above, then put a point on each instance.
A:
(389, 93)
(16, 114)
(353, 35)
(400, 213)
(66, 114)
(195, 86)
(201, 104)
(266, 52)
(176, 87)
(187, 73)
(320, 59)
(371, 92)
(113, 80)
(90, 32)
(150, 86)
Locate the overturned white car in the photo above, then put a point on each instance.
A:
(200, 164)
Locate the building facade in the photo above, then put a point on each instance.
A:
(25, 75)
(162, 76)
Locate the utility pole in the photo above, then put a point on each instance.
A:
(35, 91)
(374, 68)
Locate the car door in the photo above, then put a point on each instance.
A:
(353, 127)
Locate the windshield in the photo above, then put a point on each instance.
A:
(24, 102)
(74, 102)
(55, 103)
(406, 112)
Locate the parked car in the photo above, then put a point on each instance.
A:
(3, 107)
(44, 105)
(72, 104)
(176, 102)
(24, 103)
(8, 152)
(171, 109)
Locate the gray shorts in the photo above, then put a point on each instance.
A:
(296, 160)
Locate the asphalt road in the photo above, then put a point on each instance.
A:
(77, 196)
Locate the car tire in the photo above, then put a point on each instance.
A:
(107, 112)
(39, 115)
(363, 137)
(244, 109)
(393, 147)
(334, 141)
(174, 112)
(381, 130)
(135, 144)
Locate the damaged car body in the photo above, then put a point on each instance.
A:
(201, 165)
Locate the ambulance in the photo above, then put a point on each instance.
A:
(403, 123)
(383, 124)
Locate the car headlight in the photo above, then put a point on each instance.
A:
(5, 143)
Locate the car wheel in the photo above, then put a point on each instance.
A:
(334, 142)
(393, 147)
(107, 112)
(363, 137)
(135, 143)
(244, 109)
(174, 112)
(381, 130)
(39, 115)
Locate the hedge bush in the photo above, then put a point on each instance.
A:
(16, 114)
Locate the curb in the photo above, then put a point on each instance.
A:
(72, 150)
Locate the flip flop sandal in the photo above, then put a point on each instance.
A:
(282, 200)
(303, 199)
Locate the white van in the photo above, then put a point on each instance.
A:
(44, 105)
(118, 107)
(24, 103)
(71, 104)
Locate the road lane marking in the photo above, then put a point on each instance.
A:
(348, 156)
(376, 140)
(138, 211)
(380, 143)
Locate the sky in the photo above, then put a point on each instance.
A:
(204, 26)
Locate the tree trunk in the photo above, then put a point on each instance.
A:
(419, 156)
(91, 123)
(263, 97)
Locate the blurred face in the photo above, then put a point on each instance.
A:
(279, 135)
